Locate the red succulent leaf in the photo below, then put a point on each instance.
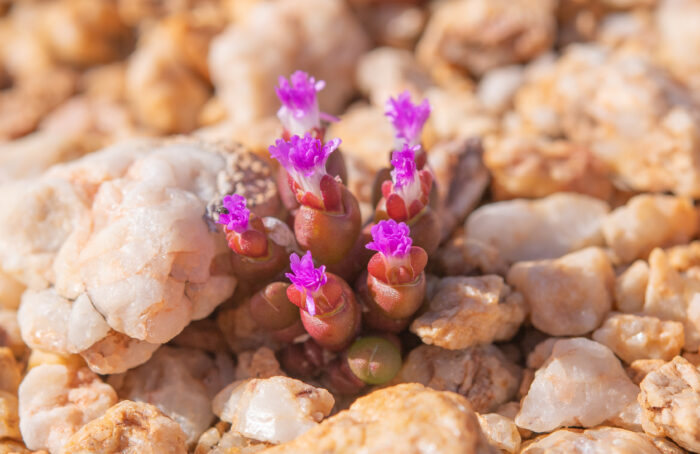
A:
(310, 200)
(297, 296)
(419, 259)
(396, 208)
(415, 208)
(330, 191)
(377, 267)
(387, 188)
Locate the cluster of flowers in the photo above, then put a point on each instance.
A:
(389, 285)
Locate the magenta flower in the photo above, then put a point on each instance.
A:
(408, 118)
(391, 238)
(306, 277)
(405, 175)
(299, 113)
(304, 158)
(237, 215)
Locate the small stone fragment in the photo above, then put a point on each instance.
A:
(408, 418)
(670, 399)
(539, 229)
(468, 311)
(640, 368)
(567, 296)
(500, 431)
(274, 410)
(479, 35)
(481, 374)
(129, 428)
(56, 400)
(9, 416)
(673, 295)
(630, 287)
(10, 371)
(633, 337)
(260, 363)
(603, 440)
(180, 382)
(648, 221)
(581, 384)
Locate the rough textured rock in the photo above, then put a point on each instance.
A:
(478, 35)
(124, 224)
(56, 400)
(467, 311)
(670, 398)
(500, 431)
(639, 369)
(274, 410)
(649, 221)
(539, 229)
(532, 167)
(603, 440)
(482, 374)
(407, 418)
(260, 363)
(10, 371)
(9, 416)
(617, 104)
(581, 384)
(129, 428)
(673, 295)
(10, 335)
(630, 287)
(386, 71)
(633, 337)
(567, 296)
(278, 30)
(180, 382)
(217, 441)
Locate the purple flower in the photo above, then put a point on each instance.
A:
(304, 158)
(305, 276)
(391, 238)
(299, 112)
(408, 118)
(237, 215)
(404, 162)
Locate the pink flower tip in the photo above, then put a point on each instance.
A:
(306, 277)
(299, 93)
(391, 238)
(300, 112)
(404, 162)
(237, 215)
(408, 118)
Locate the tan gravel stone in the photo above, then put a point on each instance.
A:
(10, 371)
(539, 229)
(278, 30)
(274, 410)
(634, 117)
(531, 167)
(567, 296)
(500, 431)
(640, 368)
(670, 399)
(478, 35)
(9, 416)
(129, 428)
(603, 440)
(468, 311)
(541, 353)
(581, 384)
(630, 287)
(633, 337)
(260, 363)
(648, 221)
(56, 400)
(481, 374)
(180, 382)
(409, 419)
(671, 295)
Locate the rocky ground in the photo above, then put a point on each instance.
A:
(562, 311)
